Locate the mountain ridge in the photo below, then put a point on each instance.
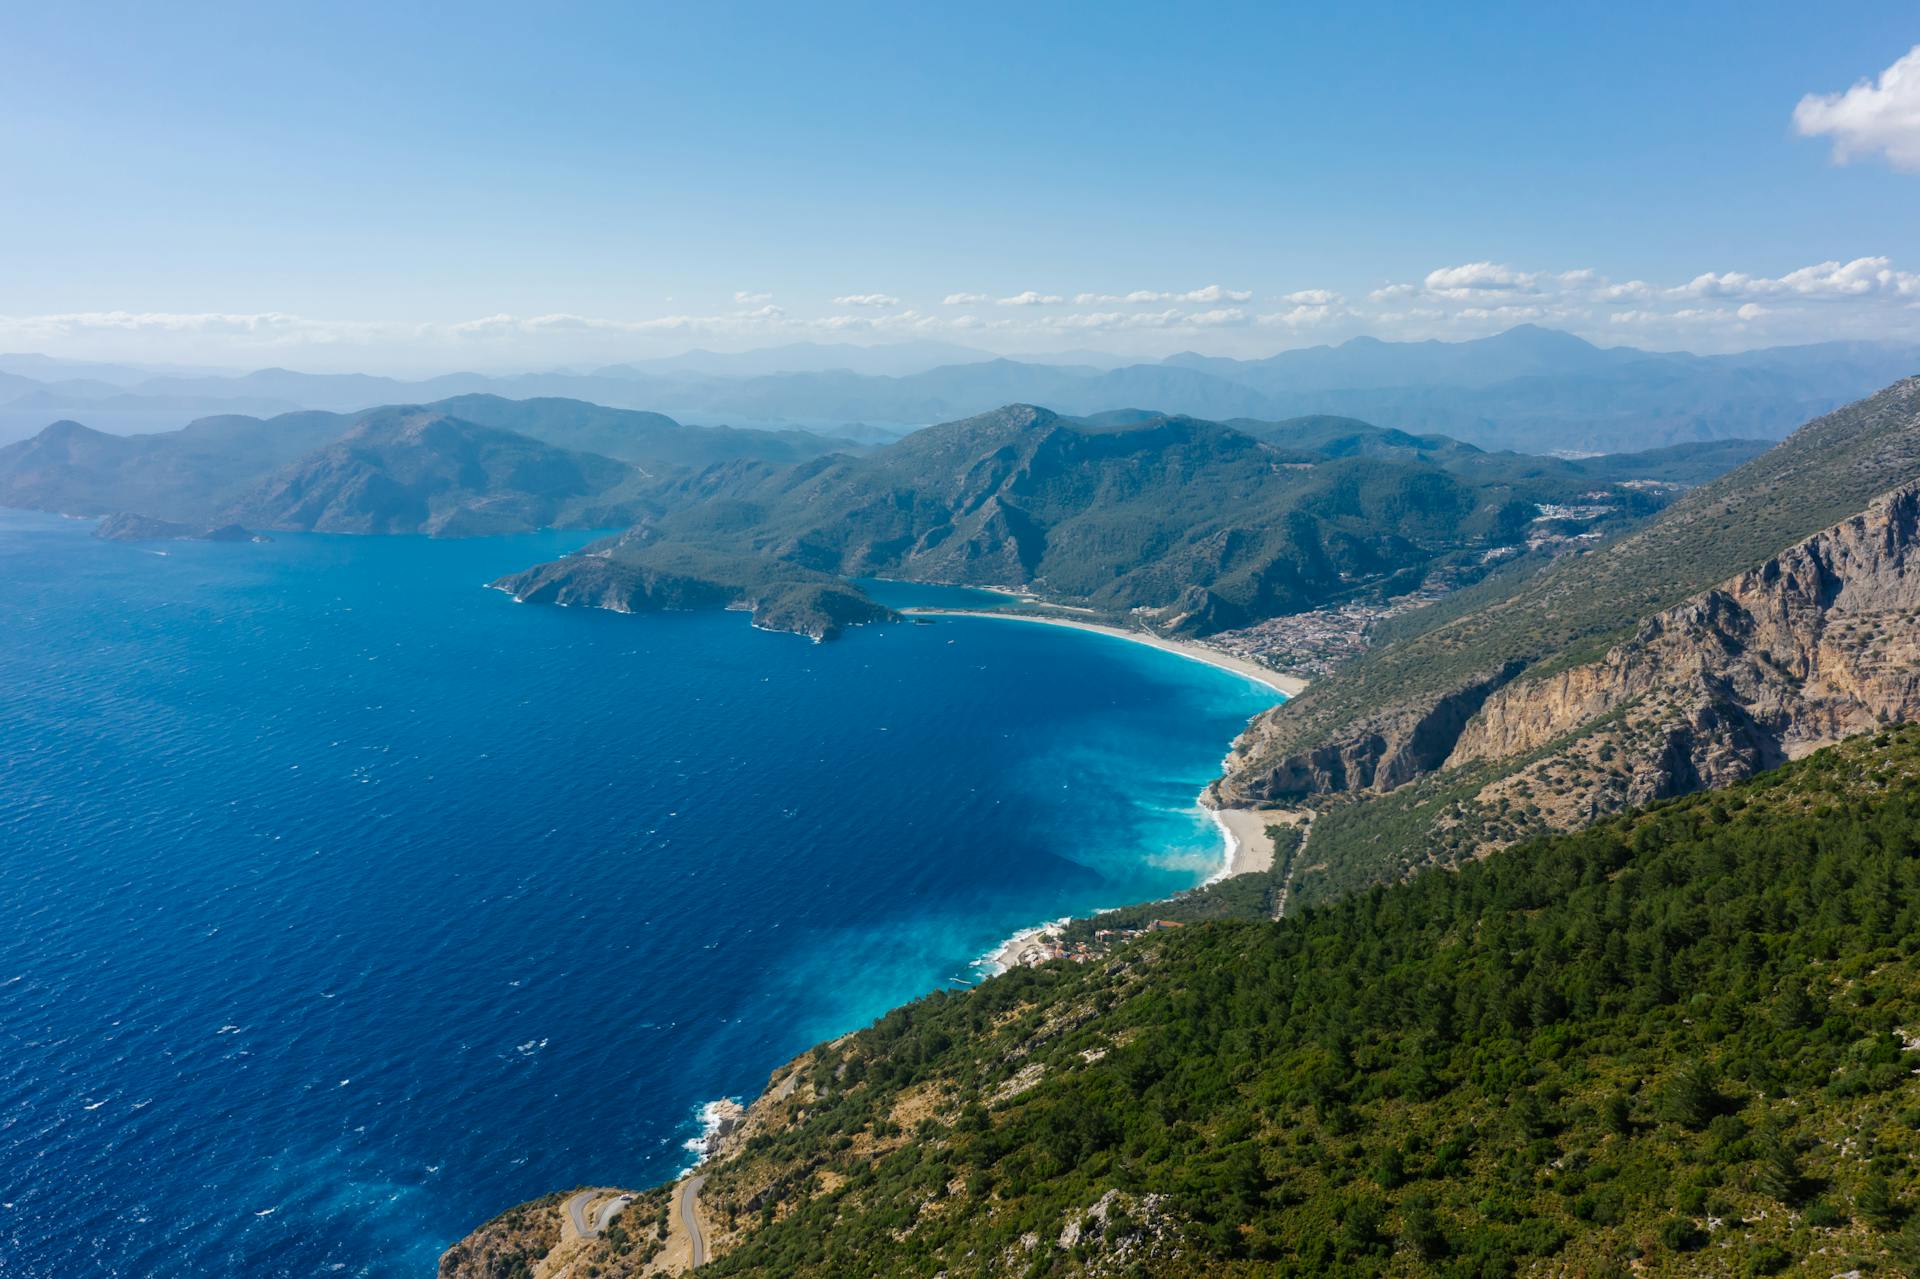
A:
(1528, 387)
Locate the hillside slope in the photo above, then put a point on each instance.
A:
(198, 471)
(417, 471)
(186, 475)
(1398, 712)
(1819, 642)
(1678, 1043)
(1177, 523)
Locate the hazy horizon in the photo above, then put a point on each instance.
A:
(932, 354)
(738, 178)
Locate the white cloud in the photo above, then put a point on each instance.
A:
(900, 322)
(1140, 297)
(1170, 318)
(1094, 320)
(1860, 278)
(1305, 316)
(761, 319)
(1865, 297)
(1631, 291)
(1217, 317)
(1214, 293)
(1503, 314)
(219, 322)
(1872, 118)
(1475, 279)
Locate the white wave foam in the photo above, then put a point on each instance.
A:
(717, 1118)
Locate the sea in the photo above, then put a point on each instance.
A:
(345, 903)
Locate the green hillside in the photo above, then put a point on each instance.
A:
(1204, 525)
(1675, 1043)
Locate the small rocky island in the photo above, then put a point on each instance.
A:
(125, 527)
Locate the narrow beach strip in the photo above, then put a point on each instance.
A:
(1243, 831)
(1286, 685)
(1249, 846)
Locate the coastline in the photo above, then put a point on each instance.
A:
(1248, 848)
(1285, 685)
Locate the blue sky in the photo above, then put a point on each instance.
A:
(458, 186)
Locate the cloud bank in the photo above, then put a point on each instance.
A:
(1720, 308)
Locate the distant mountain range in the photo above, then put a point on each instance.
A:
(1204, 525)
(1529, 387)
(467, 465)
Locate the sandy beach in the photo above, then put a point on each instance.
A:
(1190, 649)
(1246, 831)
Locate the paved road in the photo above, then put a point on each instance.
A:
(689, 1216)
(608, 1211)
(577, 1211)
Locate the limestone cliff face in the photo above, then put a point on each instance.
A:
(1818, 643)
(1388, 750)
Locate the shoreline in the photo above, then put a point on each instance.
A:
(1247, 847)
(1286, 685)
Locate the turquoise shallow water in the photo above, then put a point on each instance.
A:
(344, 903)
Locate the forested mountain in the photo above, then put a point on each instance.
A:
(650, 440)
(1678, 1043)
(213, 465)
(1200, 524)
(418, 471)
(186, 475)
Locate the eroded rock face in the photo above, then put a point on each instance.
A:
(1818, 643)
(1388, 751)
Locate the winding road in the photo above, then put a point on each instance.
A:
(577, 1212)
(689, 1213)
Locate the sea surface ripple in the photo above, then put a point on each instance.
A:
(344, 903)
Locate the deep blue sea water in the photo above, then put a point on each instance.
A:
(344, 903)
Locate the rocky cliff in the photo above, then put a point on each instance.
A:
(1818, 643)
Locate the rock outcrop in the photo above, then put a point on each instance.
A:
(1388, 750)
(1819, 643)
